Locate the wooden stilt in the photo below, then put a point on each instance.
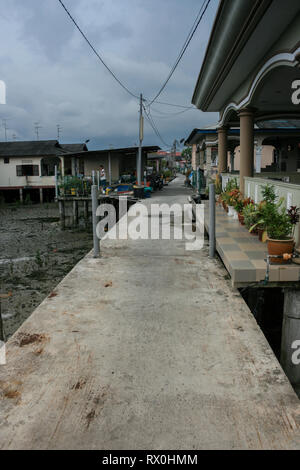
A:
(62, 215)
(75, 214)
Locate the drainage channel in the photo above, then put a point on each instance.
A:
(268, 308)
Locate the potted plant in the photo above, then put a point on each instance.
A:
(260, 226)
(280, 234)
(239, 207)
(233, 197)
(222, 200)
(229, 195)
(279, 224)
(251, 217)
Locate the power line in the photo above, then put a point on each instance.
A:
(94, 50)
(176, 105)
(153, 125)
(168, 115)
(184, 48)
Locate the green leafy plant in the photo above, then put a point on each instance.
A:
(273, 217)
(268, 193)
(251, 216)
(231, 192)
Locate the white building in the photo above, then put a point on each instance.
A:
(29, 167)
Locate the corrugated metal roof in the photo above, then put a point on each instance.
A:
(30, 148)
(72, 148)
(38, 148)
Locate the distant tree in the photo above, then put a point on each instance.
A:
(187, 154)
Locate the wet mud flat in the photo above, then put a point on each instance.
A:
(34, 256)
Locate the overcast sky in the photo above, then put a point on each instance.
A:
(52, 76)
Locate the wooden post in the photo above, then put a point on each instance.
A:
(62, 215)
(75, 213)
(95, 221)
(86, 210)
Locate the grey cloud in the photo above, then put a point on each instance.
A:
(53, 77)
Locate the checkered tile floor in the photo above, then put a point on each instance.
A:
(244, 255)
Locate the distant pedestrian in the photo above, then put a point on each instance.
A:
(102, 177)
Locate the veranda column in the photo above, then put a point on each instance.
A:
(259, 149)
(194, 156)
(208, 161)
(247, 145)
(222, 150)
(201, 162)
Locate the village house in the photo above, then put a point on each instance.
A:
(28, 168)
(116, 162)
(249, 75)
(276, 152)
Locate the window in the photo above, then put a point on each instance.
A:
(27, 170)
(6, 160)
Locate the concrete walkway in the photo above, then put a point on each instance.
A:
(148, 347)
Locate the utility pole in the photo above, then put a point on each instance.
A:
(36, 128)
(59, 129)
(4, 125)
(141, 137)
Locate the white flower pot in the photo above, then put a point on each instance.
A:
(232, 213)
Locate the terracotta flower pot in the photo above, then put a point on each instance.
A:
(241, 219)
(260, 232)
(279, 248)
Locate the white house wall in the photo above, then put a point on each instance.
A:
(10, 180)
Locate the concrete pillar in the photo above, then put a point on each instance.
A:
(208, 161)
(62, 166)
(232, 155)
(222, 150)
(21, 194)
(258, 158)
(41, 196)
(197, 159)
(290, 341)
(194, 156)
(247, 145)
(201, 162)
